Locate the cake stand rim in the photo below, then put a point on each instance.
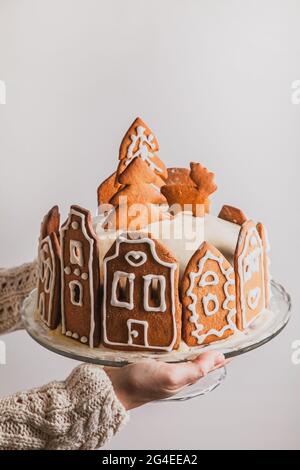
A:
(280, 290)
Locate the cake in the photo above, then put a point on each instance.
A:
(153, 269)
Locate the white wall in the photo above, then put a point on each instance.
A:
(213, 79)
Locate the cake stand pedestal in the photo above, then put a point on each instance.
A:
(267, 326)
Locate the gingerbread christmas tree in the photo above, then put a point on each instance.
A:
(139, 142)
(194, 195)
(137, 202)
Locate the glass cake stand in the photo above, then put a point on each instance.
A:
(266, 327)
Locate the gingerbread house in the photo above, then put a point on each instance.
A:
(208, 297)
(80, 285)
(48, 295)
(140, 295)
(250, 274)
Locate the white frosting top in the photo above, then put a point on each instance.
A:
(183, 235)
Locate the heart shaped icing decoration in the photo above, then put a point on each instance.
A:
(136, 258)
(253, 298)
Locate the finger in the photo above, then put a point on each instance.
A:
(189, 372)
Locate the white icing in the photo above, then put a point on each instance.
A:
(209, 278)
(222, 234)
(171, 266)
(84, 276)
(69, 333)
(182, 236)
(136, 258)
(115, 302)
(253, 298)
(207, 299)
(75, 225)
(162, 294)
(84, 339)
(134, 333)
(76, 253)
(72, 287)
(252, 262)
(143, 151)
(90, 271)
(247, 265)
(75, 335)
(77, 272)
(67, 270)
(194, 318)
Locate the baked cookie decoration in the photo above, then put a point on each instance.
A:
(80, 289)
(250, 275)
(141, 308)
(140, 142)
(48, 295)
(208, 297)
(194, 195)
(232, 214)
(137, 202)
(106, 190)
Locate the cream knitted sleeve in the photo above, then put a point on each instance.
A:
(15, 285)
(82, 412)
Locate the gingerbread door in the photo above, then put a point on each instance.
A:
(250, 276)
(208, 297)
(138, 333)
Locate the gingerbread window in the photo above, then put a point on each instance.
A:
(76, 293)
(122, 290)
(76, 252)
(154, 293)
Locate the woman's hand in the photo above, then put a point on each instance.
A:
(148, 380)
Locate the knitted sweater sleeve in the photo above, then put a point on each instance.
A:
(80, 413)
(15, 285)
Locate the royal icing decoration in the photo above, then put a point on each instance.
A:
(207, 301)
(115, 302)
(254, 297)
(209, 278)
(162, 292)
(134, 334)
(134, 258)
(145, 148)
(194, 318)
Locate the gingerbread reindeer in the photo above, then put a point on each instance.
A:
(193, 192)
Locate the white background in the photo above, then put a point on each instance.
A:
(213, 80)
